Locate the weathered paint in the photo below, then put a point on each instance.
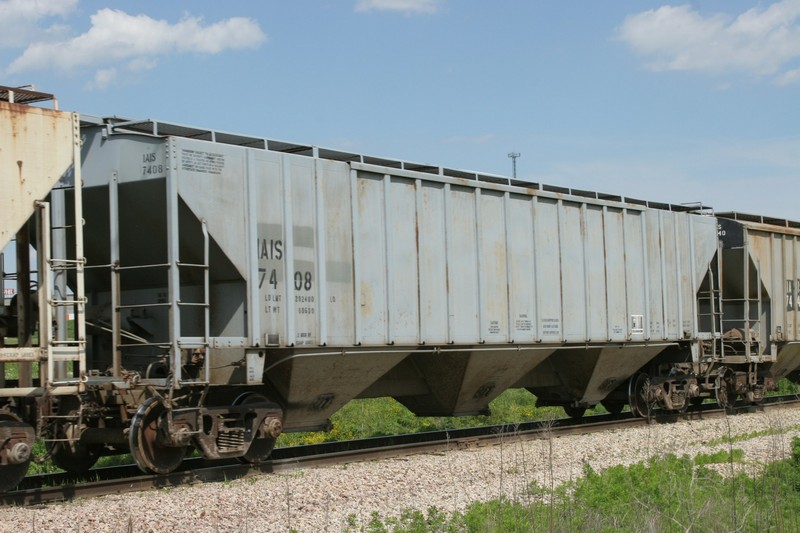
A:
(440, 290)
(412, 258)
(36, 150)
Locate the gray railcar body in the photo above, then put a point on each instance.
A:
(340, 271)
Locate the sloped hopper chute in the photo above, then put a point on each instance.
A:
(36, 151)
(457, 382)
(586, 376)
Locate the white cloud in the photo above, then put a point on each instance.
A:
(760, 41)
(141, 64)
(103, 78)
(20, 22)
(404, 6)
(789, 77)
(136, 41)
(34, 9)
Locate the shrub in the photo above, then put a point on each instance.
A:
(664, 494)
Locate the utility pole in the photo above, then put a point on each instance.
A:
(514, 156)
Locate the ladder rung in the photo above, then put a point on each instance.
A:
(67, 303)
(68, 261)
(137, 306)
(64, 359)
(75, 343)
(64, 268)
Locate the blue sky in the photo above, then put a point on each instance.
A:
(675, 102)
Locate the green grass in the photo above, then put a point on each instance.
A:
(385, 416)
(663, 494)
(751, 435)
(785, 386)
(721, 457)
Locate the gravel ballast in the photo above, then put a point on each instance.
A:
(321, 499)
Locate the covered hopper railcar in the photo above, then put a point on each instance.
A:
(225, 288)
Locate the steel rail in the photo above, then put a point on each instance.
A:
(49, 488)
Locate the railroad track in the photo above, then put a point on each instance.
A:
(48, 488)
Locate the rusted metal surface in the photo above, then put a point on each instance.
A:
(37, 152)
(16, 449)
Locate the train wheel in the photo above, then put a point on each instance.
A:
(75, 456)
(637, 395)
(15, 455)
(150, 454)
(574, 412)
(614, 407)
(260, 448)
